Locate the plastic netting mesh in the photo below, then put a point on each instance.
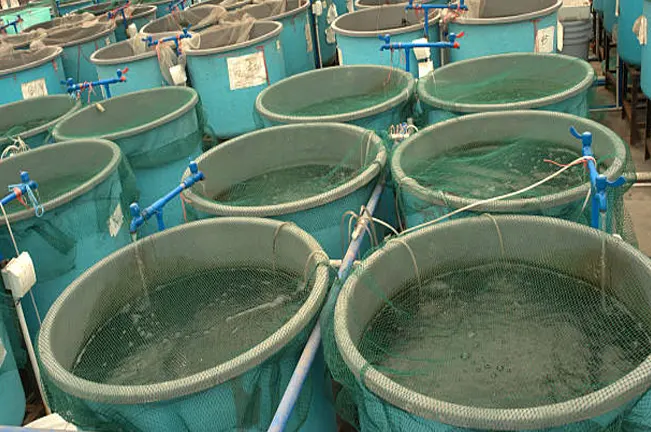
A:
(11, 60)
(357, 94)
(508, 81)
(197, 327)
(196, 19)
(495, 323)
(464, 162)
(77, 34)
(316, 174)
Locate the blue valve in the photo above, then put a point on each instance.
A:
(14, 23)
(598, 182)
(26, 187)
(73, 87)
(139, 217)
(408, 46)
(185, 34)
(120, 10)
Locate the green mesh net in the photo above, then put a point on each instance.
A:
(494, 323)
(199, 326)
(507, 82)
(457, 169)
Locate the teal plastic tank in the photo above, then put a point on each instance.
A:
(317, 210)
(12, 396)
(358, 32)
(144, 68)
(163, 7)
(296, 37)
(139, 15)
(503, 26)
(610, 15)
(80, 186)
(229, 5)
(189, 386)
(229, 76)
(422, 201)
(414, 354)
(78, 45)
(373, 97)
(33, 119)
(55, 24)
(628, 45)
(646, 53)
(506, 82)
(27, 74)
(158, 132)
(30, 15)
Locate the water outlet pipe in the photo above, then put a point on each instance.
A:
(176, 39)
(80, 87)
(409, 46)
(120, 11)
(297, 380)
(599, 182)
(140, 217)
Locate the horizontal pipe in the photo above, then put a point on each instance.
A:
(297, 380)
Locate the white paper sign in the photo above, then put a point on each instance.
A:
(308, 37)
(115, 221)
(545, 40)
(246, 71)
(560, 36)
(34, 88)
(640, 28)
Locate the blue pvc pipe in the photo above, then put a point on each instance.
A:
(140, 217)
(297, 380)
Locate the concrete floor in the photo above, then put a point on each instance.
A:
(638, 198)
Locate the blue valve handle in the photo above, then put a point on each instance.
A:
(408, 46)
(26, 187)
(185, 34)
(599, 182)
(139, 217)
(78, 87)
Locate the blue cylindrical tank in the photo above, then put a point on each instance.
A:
(55, 24)
(366, 4)
(506, 82)
(358, 32)
(81, 187)
(30, 15)
(144, 67)
(370, 96)
(610, 15)
(33, 119)
(78, 45)
(12, 396)
(296, 37)
(31, 74)
(163, 7)
(598, 6)
(229, 5)
(628, 45)
(503, 26)
(229, 166)
(229, 77)
(646, 53)
(158, 132)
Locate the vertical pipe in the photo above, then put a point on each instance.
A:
(307, 357)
